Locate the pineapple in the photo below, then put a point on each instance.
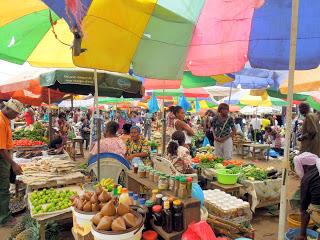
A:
(22, 225)
(18, 228)
(28, 234)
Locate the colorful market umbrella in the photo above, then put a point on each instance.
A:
(313, 97)
(29, 32)
(113, 101)
(33, 95)
(244, 98)
(82, 82)
(192, 92)
(304, 81)
(215, 37)
(153, 104)
(23, 84)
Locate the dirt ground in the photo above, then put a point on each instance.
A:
(265, 224)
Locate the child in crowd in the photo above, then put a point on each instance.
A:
(179, 154)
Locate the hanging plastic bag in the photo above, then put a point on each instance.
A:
(197, 193)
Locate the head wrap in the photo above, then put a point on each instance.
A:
(305, 158)
(136, 127)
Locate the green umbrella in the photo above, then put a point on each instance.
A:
(82, 82)
(310, 97)
(110, 100)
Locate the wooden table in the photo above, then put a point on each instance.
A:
(256, 146)
(191, 210)
(74, 152)
(43, 220)
(233, 190)
(239, 145)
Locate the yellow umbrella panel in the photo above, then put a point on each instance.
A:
(308, 80)
(31, 33)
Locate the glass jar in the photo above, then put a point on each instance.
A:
(154, 195)
(156, 177)
(171, 183)
(189, 187)
(142, 172)
(151, 175)
(163, 183)
(147, 172)
(182, 193)
(176, 185)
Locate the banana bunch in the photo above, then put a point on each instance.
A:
(107, 183)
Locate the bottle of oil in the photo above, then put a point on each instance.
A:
(167, 217)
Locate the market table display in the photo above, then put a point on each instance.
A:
(262, 185)
(238, 141)
(49, 171)
(145, 186)
(263, 193)
(261, 148)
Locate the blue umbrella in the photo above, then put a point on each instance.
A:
(269, 45)
(253, 78)
(183, 102)
(197, 107)
(153, 104)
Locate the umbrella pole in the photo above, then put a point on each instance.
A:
(230, 94)
(50, 115)
(292, 65)
(163, 126)
(71, 102)
(96, 94)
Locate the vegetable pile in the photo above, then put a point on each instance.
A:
(233, 162)
(252, 173)
(233, 170)
(197, 139)
(35, 132)
(27, 143)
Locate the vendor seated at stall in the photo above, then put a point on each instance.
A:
(111, 143)
(178, 154)
(272, 136)
(307, 166)
(126, 132)
(138, 149)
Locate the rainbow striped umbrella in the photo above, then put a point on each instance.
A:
(29, 32)
(162, 38)
(159, 38)
(246, 97)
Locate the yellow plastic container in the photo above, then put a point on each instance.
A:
(294, 221)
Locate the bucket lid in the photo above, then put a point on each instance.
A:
(150, 235)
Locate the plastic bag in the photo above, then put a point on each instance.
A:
(197, 193)
(199, 231)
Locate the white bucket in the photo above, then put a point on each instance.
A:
(133, 235)
(82, 222)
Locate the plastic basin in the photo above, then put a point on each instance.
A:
(226, 178)
(294, 232)
(294, 221)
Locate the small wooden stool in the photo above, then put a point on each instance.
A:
(73, 153)
(234, 190)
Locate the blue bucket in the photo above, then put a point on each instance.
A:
(294, 232)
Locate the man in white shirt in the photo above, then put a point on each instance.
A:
(256, 124)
